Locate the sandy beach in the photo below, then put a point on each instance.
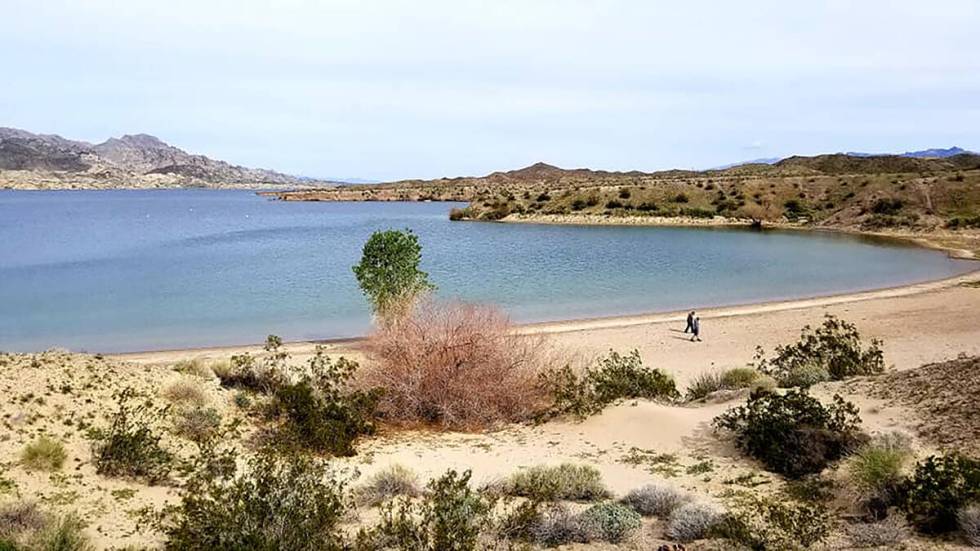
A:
(918, 323)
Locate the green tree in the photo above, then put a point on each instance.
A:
(389, 273)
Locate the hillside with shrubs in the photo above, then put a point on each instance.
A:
(879, 194)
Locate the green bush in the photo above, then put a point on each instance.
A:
(289, 502)
(731, 379)
(265, 374)
(614, 377)
(389, 273)
(877, 470)
(609, 521)
(563, 482)
(793, 433)
(618, 377)
(451, 517)
(767, 524)
(44, 454)
(129, 447)
(939, 487)
(835, 347)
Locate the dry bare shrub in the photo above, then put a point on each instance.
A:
(887, 533)
(969, 522)
(185, 392)
(455, 364)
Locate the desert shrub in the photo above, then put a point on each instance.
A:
(795, 209)
(804, 375)
(184, 392)
(613, 378)
(887, 205)
(939, 487)
(680, 198)
(129, 447)
(624, 193)
(242, 400)
(694, 520)
(313, 420)
(563, 482)
(559, 526)
(614, 204)
(968, 519)
(384, 485)
(793, 433)
(609, 521)
(697, 213)
(835, 346)
(768, 524)
(63, 533)
(195, 367)
(197, 424)
(25, 527)
(389, 273)
(731, 379)
(264, 374)
(18, 521)
(451, 517)
(43, 454)
(877, 470)
(457, 365)
(888, 533)
(814, 488)
(578, 204)
(647, 206)
(704, 384)
(658, 499)
(277, 502)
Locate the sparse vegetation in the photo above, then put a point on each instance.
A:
(24, 527)
(889, 533)
(613, 378)
(197, 424)
(968, 519)
(694, 520)
(731, 379)
(563, 482)
(43, 454)
(834, 348)
(287, 502)
(768, 524)
(793, 434)
(658, 499)
(877, 470)
(609, 521)
(184, 392)
(938, 489)
(387, 484)
(129, 446)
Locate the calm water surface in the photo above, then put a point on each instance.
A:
(136, 270)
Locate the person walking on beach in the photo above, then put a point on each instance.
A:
(690, 322)
(696, 329)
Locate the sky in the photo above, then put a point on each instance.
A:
(387, 90)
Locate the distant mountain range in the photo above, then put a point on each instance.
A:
(47, 161)
(935, 153)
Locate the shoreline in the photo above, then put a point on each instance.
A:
(928, 240)
(600, 322)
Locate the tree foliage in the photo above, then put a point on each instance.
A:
(389, 273)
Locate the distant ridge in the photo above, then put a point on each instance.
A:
(48, 161)
(935, 153)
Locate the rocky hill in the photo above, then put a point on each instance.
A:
(46, 161)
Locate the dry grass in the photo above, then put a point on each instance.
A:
(195, 367)
(44, 454)
(457, 365)
(185, 392)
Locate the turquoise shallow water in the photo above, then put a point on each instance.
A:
(136, 270)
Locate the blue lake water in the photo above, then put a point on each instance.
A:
(137, 270)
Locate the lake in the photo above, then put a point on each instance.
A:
(119, 270)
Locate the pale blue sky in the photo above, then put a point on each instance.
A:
(420, 88)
